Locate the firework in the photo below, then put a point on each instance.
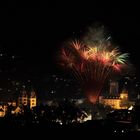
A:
(92, 64)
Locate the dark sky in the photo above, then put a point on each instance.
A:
(33, 32)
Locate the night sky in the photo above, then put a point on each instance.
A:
(32, 33)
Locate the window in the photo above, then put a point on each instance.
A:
(24, 103)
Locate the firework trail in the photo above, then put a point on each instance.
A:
(92, 61)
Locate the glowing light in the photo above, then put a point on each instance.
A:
(130, 108)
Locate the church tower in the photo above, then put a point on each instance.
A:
(32, 99)
(23, 98)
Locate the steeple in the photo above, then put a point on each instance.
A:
(23, 98)
(32, 99)
(33, 94)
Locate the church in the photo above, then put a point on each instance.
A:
(27, 99)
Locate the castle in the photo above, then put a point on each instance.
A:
(115, 100)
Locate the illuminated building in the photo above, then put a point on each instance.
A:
(17, 110)
(124, 95)
(3, 109)
(23, 98)
(32, 99)
(116, 102)
(2, 112)
(112, 101)
(84, 117)
(12, 103)
(27, 100)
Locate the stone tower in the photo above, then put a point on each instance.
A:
(32, 99)
(23, 98)
(113, 88)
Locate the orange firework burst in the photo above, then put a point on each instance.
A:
(92, 64)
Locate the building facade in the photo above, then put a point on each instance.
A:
(23, 98)
(32, 99)
(116, 102)
(27, 99)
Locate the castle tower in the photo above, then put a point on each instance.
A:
(23, 98)
(113, 88)
(124, 94)
(32, 99)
